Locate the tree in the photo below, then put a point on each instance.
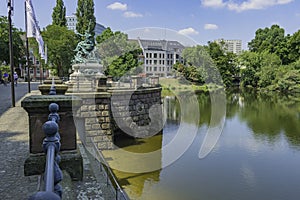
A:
(294, 47)
(272, 40)
(61, 43)
(118, 55)
(124, 64)
(59, 14)
(270, 64)
(85, 17)
(18, 45)
(250, 64)
(199, 65)
(225, 62)
(105, 35)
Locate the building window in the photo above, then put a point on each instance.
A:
(155, 69)
(155, 55)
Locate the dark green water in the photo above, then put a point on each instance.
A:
(256, 157)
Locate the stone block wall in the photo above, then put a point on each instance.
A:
(137, 113)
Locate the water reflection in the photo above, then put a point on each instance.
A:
(271, 116)
(257, 156)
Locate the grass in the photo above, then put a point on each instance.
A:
(171, 86)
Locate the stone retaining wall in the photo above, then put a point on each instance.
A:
(137, 113)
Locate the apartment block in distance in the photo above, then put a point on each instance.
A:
(234, 46)
(160, 56)
(72, 21)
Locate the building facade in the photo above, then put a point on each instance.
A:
(37, 72)
(159, 56)
(72, 21)
(234, 46)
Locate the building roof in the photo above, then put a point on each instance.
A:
(160, 45)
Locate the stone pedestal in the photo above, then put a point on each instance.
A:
(37, 109)
(154, 80)
(59, 86)
(136, 81)
(85, 77)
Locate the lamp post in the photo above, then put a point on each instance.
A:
(10, 9)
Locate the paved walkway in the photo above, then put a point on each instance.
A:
(14, 149)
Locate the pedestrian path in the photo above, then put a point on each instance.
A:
(14, 149)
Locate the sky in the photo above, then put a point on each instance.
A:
(198, 21)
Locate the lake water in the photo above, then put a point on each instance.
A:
(257, 155)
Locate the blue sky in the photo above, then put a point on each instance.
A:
(200, 20)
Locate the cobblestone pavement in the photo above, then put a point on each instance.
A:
(14, 148)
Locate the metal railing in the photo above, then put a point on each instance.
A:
(110, 177)
(51, 146)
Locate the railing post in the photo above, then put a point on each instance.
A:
(51, 146)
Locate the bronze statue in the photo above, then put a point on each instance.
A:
(84, 48)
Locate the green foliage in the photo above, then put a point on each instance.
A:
(118, 55)
(272, 40)
(85, 17)
(191, 73)
(18, 45)
(5, 69)
(225, 62)
(294, 47)
(59, 14)
(199, 66)
(105, 35)
(250, 64)
(125, 64)
(60, 43)
(287, 80)
(269, 67)
(266, 72)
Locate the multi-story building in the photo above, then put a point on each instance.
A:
(72, 21)
(234, 46)
(37, 72)
(159, 56)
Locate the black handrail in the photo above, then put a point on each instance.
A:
(100, 158)
(51, 145)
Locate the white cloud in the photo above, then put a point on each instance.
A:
(130, 14)
(117, 6)
(213, 3)
(210, 27)
(188, 31)
(244, 5)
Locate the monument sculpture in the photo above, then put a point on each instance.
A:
(86, 67)
(85, 49)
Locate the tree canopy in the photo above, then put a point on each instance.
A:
(85, 17)
(61, 43)
(18, 44)
(118, 55)
(59, 14)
